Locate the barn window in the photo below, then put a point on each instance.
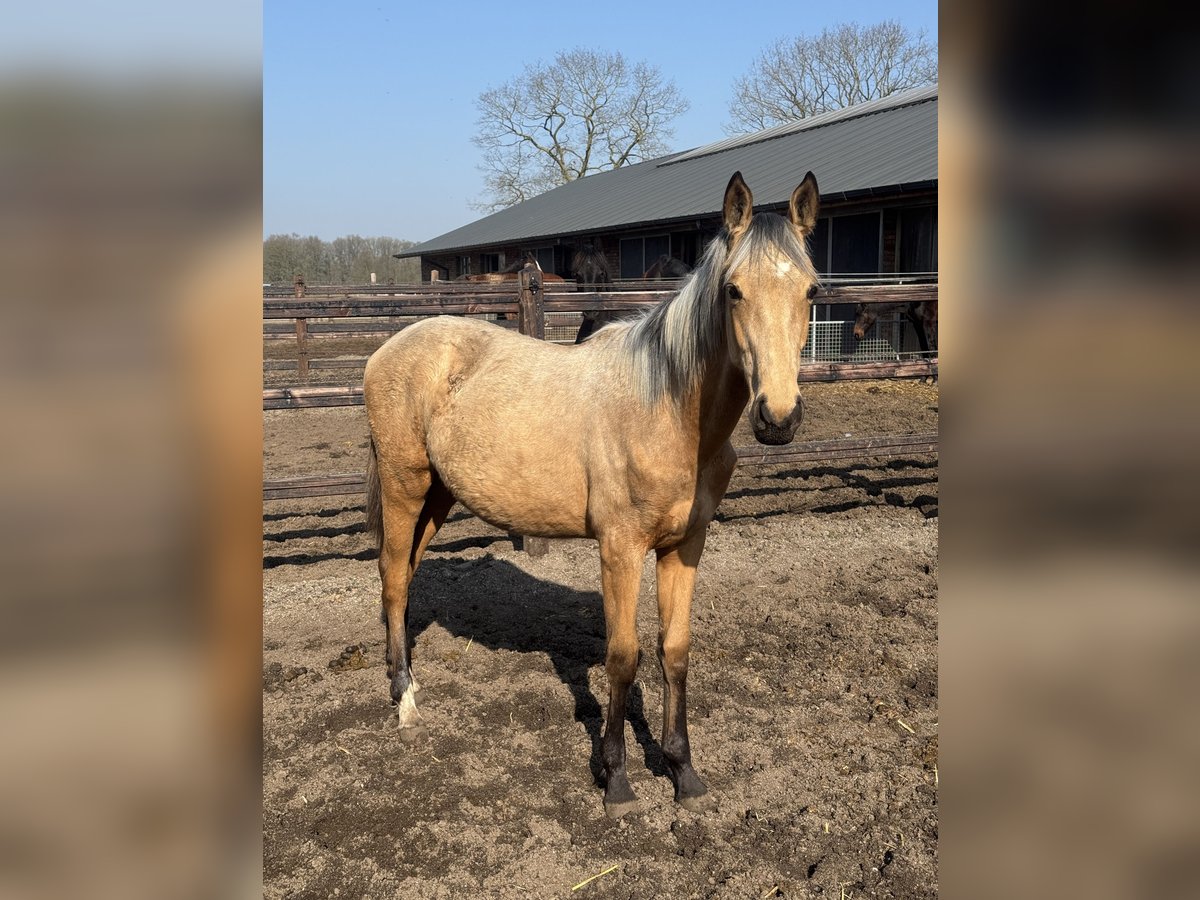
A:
(844, 245)
(489, 262)
(685, 246)
(464, 265)
(856, 243)
(638, 254)
(917, 243)
(818, 245)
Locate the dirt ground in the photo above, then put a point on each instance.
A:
(812, 691)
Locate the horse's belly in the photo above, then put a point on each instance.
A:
(514, 489)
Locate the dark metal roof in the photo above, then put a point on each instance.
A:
(877, 145)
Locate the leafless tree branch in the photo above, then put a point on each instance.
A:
(848, 64)
(587, 111)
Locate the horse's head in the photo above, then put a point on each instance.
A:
(865, 315)
(768, 287)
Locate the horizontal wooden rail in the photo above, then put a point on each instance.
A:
(318, 486)
(300, 397)
(860, 371)
(419, 287)
(408, 305)
(842, 448)
(876, 293)
(414, 303)
(351, 327)
(289, 365)
(861, 279)
(882, 446)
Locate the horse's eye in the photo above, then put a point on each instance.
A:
(812, 291)
(732, 292)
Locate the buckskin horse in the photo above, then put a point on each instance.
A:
(624, 439)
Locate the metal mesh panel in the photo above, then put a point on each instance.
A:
(826, 340)
(562, 327)
(889, 338)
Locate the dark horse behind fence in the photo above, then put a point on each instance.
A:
(667, 266)
(591, 273)
(624, 439)
(922, 315)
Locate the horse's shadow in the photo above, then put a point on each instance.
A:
(499, 606)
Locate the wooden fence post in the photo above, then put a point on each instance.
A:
(531, 314)
(301, 332)
(302, 347)
(531, 320)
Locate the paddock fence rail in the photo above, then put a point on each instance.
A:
(552, 312)
(535, 308)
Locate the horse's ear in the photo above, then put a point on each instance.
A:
(805, 202)
(739, 206)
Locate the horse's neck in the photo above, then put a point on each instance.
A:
(716, 403)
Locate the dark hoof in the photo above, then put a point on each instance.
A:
(414, 734)
(616, 809)
(698, 803)
(619, 798)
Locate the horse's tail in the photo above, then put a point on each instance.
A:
(374, 508)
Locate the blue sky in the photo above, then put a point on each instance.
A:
(369, 106)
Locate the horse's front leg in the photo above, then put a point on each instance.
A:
(676, 576)
(620, 574)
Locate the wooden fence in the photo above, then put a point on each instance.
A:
(530, 300)
(389, 308)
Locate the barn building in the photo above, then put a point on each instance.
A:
(876, 165)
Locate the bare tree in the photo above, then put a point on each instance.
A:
(848, 64)
(587, 111)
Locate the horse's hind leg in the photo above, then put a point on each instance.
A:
(438, 502)
(403, 501)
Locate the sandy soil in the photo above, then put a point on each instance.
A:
(813, 692)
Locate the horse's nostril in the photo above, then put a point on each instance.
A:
(761, 417)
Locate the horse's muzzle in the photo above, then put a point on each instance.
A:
(767, 430)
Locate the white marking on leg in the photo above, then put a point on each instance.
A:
(409, 716)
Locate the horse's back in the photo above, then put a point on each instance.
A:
(433, 356)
